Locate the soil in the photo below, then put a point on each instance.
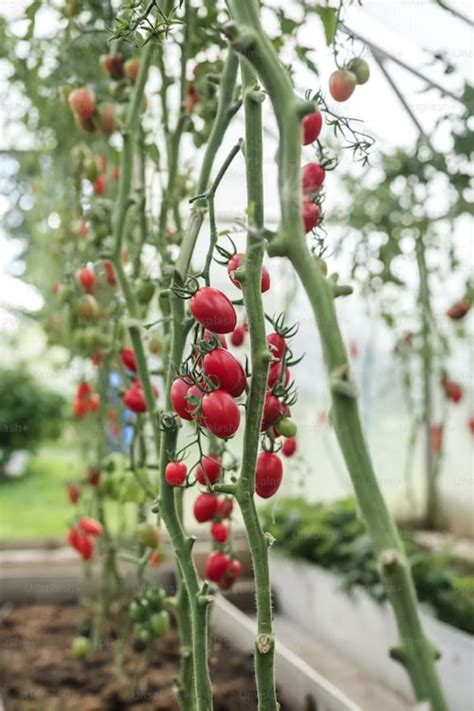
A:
(38, 671)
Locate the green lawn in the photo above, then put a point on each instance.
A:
(36, 504)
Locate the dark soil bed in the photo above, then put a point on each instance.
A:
(38, 671)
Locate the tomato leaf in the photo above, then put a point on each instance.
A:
(328, 17)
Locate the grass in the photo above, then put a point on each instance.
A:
(36, 504)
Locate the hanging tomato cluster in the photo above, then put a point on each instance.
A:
(82, 537)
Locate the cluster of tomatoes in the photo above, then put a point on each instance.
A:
(150, 618)
(85, 400)
(82, 536)
(343, 81)
(90, 115)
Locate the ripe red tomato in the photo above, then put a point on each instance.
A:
(175, 473)
(273, 410)
(209, 470)
(225, 371)
(82, 102)
(93, 476)
(225, 506)
(268, 474)
(217, 565)
(134, 399)
(83, 391)
(221, 413)
(233, 572)
(73, 493)
(342, 83)
(86, 278)
(79, 408)
(289, 447)
(237, 336)
(179, 390)
(90, 526)
(128, 359)
(112, 64)
(312, 177)
(235, 262)
(458, 310)
(436, 438)
(205, 507)
(192, 409)
(454, 391)
(109, 273)
(220, 532)
(213, 309)
(312, 125)
(311, 214)
(274, 374)
(93, 402)
(100, 184)
(277, 345)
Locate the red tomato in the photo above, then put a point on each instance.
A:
(93, 402)
(74, 493)
(79, 408)
(312, 177)
(213, 309)
(225, 371)
(459, 309)
(341, 84)
(93, 476)
(274, 374)
(100, 184)
(154, 559)
(220, 532)
(90, 526)
(217, 565)
(454, 391)
(221, 413)
(225, 506)
(175, 473)
(194, 392)
(179, 390)
(209, 470)
(83, 391)
(209, 336)
(235, 262)
(268, 474)
(273, 410)
(233, 572)
(86, 278)
(82, 102)
(109, 273)
(112, 64)
(131, 69)
(311, 214)
(277, 345)
(134, 399)
(289, 447)
(128, 359)
(436, 438)
(205, 507)
(312, 125)
(237, 337)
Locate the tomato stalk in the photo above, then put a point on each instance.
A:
(414, 650)
(250, 279)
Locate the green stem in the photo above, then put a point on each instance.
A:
(414, 651)
(260, 359)
(432, 498)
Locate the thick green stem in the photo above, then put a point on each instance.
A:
(414, 651)
(260, 358)
(432, 498)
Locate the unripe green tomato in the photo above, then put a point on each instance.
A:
(65, 294)
(148, 535)
(87, 308)
(138, 613)
(287, 427)
(156, 599)
(160, 623)
(142, 633)
(91, 169)
(155, 344)
(360, 68)
(81, 647)
(130, 490)
(144, 291)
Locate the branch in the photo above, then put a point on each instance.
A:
(249, 38)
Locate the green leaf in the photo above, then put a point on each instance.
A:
(328, 17)
(154, 153)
